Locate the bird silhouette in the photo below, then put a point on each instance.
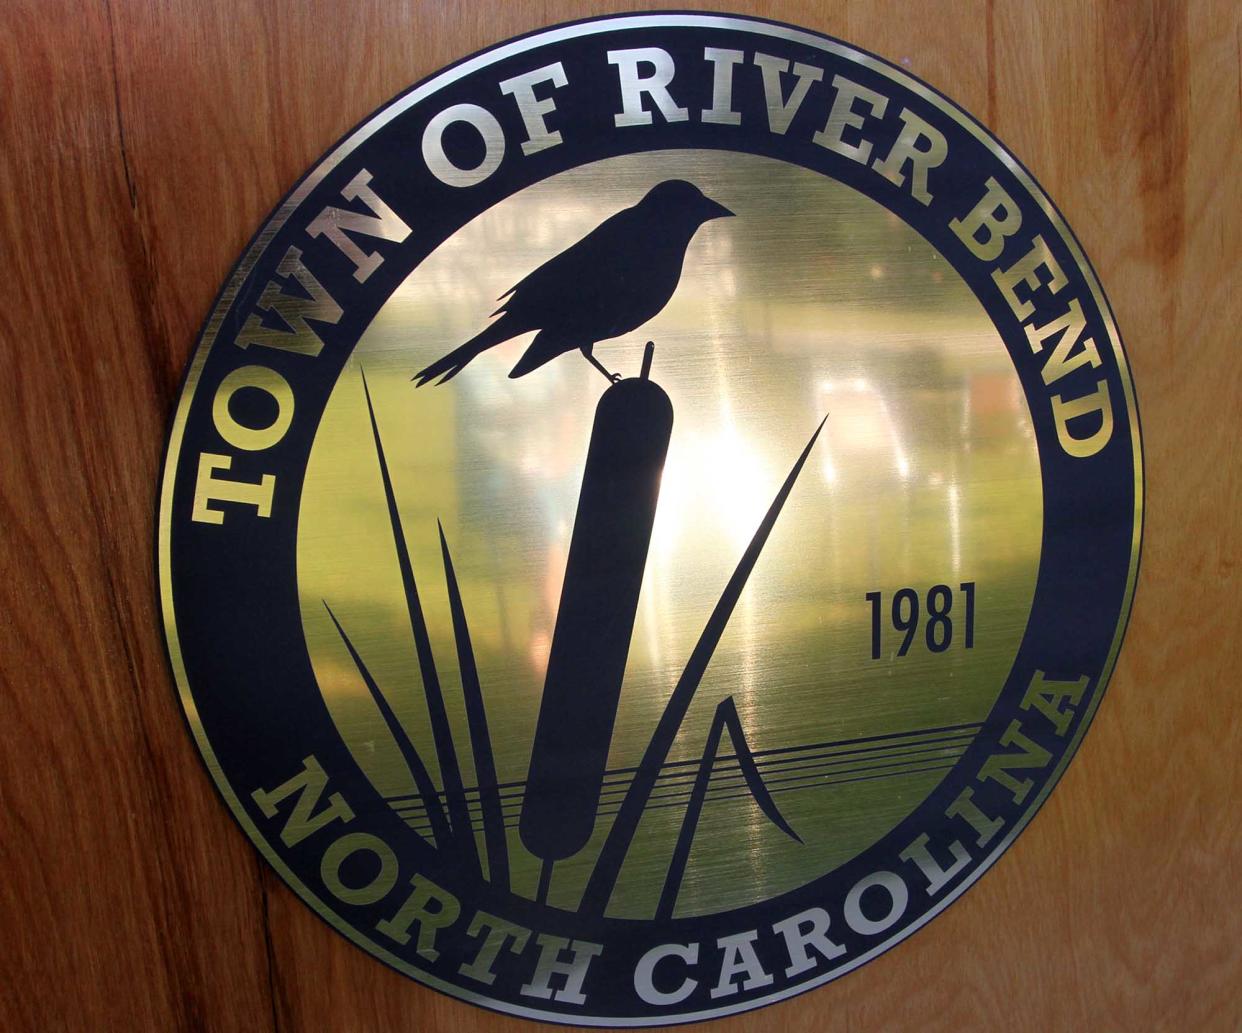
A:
(612, 281)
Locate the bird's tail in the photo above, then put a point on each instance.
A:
(454, 362)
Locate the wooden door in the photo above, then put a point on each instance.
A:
(144, 143)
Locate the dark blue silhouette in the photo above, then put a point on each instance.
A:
(595, 620)
(611, 282)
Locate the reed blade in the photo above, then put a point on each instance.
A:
(727, 714)
(463, 844)
(690, 822)
(607, 868)
(724, 720)
(480, 738)
(440, 831)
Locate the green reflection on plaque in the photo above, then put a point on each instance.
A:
(812, 300)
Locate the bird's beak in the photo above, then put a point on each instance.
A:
(715, 210)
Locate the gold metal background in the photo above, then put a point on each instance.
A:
(814, 299)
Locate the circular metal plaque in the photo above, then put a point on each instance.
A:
(649, 519)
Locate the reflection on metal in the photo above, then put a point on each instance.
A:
(760, 339)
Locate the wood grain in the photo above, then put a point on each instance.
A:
(144, 142)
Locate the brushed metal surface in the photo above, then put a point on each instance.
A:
(812, 300)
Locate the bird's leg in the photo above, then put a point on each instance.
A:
(587, 350)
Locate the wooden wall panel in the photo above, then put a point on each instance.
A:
(144, 142)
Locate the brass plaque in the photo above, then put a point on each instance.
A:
(650, 519)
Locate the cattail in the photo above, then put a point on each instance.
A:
(599, 601)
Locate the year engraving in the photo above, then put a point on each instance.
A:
(904, 614)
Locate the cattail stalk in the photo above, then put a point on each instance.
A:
(599, 602)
